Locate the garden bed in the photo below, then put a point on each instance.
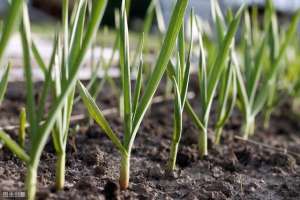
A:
(236, 169)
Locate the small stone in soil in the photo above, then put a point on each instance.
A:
(155, 172)
(94, 157)
(99, 170)
(244, 156)
(112, 190)
(217, 172)
(85, 183)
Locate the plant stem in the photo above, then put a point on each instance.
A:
(267, 118)
(31, 181)
(249, 128)
(173, 156)
(218, 135)
(203, 143)
(124, 172)
(60, 171)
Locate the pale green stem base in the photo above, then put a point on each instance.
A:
(60, 171)
(249, 129)
(31, 182)
(218, 135)
(203, 143)
(173, 157)
(267, 119)
(124, 172)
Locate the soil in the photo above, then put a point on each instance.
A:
(236, 169)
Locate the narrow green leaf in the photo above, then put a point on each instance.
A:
(4, 82)
(95, 19)
(125, 73)
(159, 17)
(218, 66)
(186, 72)
(139, 82)
(39, 59)
(161, 64)
(30, 97)
(48, 81)
(77, 32)
(14, 147)
(202, 72)
(98, 116)
(256, 71)
(218, 19)
(262, 96)
(242, 91)
(189, 109)
(181, 53)
(22, 128)
(228, 100)
(177, 112)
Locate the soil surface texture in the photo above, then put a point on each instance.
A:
(264, 168)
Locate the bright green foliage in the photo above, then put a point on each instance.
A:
(73, 54)
(22, 128)
(227, 95)
(277, 51)
(180, 76)
(210, 77)
(4, 82)
(258, 88)
(11, 22)
(134, 113)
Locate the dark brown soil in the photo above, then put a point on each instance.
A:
(234, 170)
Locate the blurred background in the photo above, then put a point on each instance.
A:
(46, 14)
(51, 9)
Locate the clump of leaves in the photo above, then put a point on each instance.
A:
(40, 127)
(180, 76)
(135, 107)
(256, 86)
(209, 78)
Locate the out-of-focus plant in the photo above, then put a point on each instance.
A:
(209, 76)
(257, 84)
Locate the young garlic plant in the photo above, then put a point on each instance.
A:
(227, 89)
(71, 44)
(254, 88)
(40, 127)
(209, 78)
(136, 107)
(226, 101)
(274, 49)
(11, 22)
(180, 76)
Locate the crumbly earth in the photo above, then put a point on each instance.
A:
(234, 170)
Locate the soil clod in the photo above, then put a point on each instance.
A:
(112, 191)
